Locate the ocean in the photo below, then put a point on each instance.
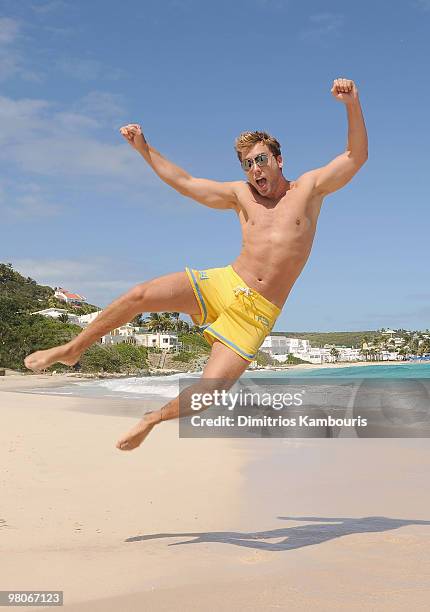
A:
(167, 387)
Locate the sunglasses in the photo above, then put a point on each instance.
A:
(261, 160)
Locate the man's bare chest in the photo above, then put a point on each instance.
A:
(295, 212)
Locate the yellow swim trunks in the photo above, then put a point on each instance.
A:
(234, 313)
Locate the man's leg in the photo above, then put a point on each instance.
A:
(221, 372)
(171, 292)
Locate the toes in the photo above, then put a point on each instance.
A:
(122, 445)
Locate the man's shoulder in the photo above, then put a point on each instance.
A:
(239, 184)
(307, 177)
(241, 187)
(308, 181)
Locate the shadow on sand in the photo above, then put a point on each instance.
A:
(292, 537)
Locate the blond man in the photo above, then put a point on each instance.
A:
(237, 304)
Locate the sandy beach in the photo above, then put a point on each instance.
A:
(195, 524)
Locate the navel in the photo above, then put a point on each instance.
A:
(297, 221)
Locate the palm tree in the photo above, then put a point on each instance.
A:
(64, 317)
(137, 321)
(183, 327)
(380, 346)
(159, 322)
(175, 316)
(334, 353)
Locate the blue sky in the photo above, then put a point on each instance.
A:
(80, 209)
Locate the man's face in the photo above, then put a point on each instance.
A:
(265, 179)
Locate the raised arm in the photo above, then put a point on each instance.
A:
(210, 193)
(342, 168)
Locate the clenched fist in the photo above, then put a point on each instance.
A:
(134, 135)
(345, 91)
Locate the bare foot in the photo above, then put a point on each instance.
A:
(138, 433)
(40, 360)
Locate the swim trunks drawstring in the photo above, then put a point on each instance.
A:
(245, 292)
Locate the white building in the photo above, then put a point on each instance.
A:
(282, 345)
(125, 333)
(389, 332)
(317, 355)
(389, 356)
(158, 340)
(86, 319)
(110, 339)
(55, 313)
(67, 296)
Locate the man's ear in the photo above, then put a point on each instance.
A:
(280, 161)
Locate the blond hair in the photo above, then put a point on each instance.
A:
(247, 140)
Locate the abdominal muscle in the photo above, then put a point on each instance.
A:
(272, 259)
(273, 277)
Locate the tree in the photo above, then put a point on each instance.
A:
(64, 317)
(159, 322)
(334, 353)
(137, 321)
(175, 317)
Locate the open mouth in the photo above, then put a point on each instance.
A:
(262, 182)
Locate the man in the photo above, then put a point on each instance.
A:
(241, 302)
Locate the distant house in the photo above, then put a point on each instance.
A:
(66, 296)
(282, 345)
(125, 333)
(55, 313)
(163, 341)
(389, 332)
(86, 319)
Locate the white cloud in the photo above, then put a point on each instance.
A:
(28, 206)
(9, 65)
(12, 62)
(9, 30)
(26, 202)
(273, 4)
(49, 7)
(9, 58)
(42, 139)
(87, 69)
(101, 104)
(56, 271)
(17, 59)
(423, 4)
(323, 26)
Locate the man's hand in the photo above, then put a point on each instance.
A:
(134, 135)
(345, 91)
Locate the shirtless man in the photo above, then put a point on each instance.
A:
(240, 302)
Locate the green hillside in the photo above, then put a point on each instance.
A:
(21, 332)
(30, 296)
(340, 338)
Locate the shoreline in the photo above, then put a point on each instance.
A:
(21, 380)
(343, 364)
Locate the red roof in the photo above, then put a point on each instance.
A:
(71, 296)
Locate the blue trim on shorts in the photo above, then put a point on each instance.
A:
(205, 312)
(230, 343)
